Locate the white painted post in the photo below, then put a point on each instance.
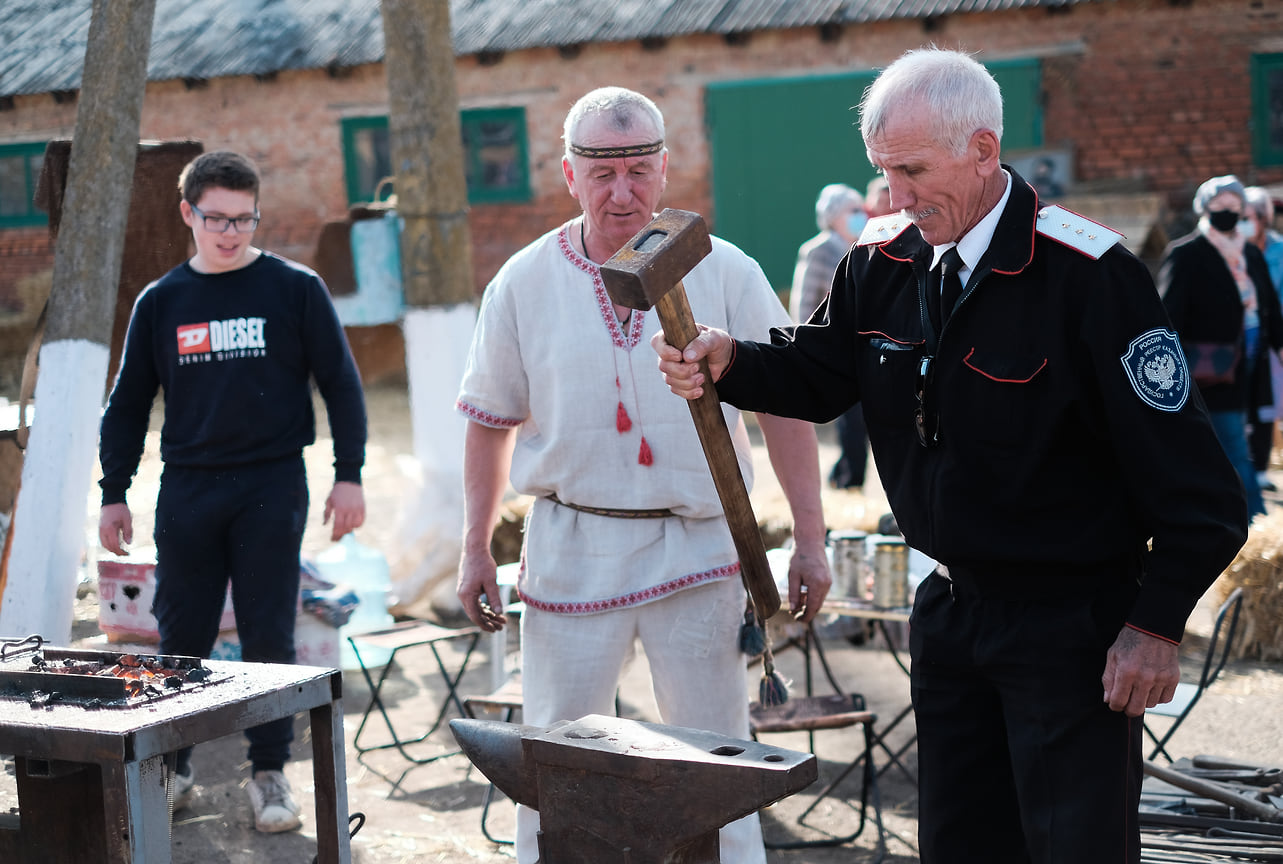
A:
(436, 266)
(49, 517)
(437, 340)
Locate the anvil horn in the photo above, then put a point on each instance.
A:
(495, 748)
(616, 791)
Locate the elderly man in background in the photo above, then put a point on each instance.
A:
(840, 215)
(877, 198)
(626, 541)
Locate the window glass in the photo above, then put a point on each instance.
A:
(495, 151)
(1267, 109)
(19, 173)
(494, 145)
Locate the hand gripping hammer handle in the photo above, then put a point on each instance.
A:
(648, 271)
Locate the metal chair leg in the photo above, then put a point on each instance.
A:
(377, 705)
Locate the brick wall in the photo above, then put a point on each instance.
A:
(27, 263)
(1149, 94)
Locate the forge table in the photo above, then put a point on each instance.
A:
(91, 781)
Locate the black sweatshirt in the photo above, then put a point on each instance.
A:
(234, 353)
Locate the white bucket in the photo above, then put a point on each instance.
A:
(365, 571)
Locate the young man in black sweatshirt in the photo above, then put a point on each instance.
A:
(233, 336)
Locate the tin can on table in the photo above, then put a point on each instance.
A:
(891, 574)
(849, 563)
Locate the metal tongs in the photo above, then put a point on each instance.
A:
(14, 647)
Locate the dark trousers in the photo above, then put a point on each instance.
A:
(1260, 443)
(244, 526)
(1019, 759)
(853, 438)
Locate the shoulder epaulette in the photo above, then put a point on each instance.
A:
(883, 228)
(1076, 231)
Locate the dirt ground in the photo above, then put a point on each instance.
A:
(433, 812)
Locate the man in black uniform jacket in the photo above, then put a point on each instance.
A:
(1037, 434)
(233, 336)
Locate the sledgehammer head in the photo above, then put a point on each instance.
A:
(656, 258)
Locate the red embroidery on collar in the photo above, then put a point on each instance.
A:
(636, 322)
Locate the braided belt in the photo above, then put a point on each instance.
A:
(657, 513)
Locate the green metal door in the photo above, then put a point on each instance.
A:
(775, 143)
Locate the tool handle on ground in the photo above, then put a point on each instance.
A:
(1217, 792)
(679, 329)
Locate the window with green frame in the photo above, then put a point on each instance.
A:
(494, 152)
(1267, 109)
(19, 172)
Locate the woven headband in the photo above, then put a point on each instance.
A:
(617, 152)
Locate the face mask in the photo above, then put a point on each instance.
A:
(855, 222)
(1246, 229)
(1223, 220)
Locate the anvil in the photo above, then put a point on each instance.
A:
(612, 790)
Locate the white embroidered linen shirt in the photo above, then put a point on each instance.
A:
(550, 356)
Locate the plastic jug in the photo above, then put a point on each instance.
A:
(365, 571)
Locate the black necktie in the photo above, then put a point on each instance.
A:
(950, 283)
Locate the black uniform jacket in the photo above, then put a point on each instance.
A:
(1203, 302)
(1050, 465)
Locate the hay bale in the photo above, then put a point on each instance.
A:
(505, 543)
(1258, 570)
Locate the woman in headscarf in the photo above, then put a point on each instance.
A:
(1218, 294)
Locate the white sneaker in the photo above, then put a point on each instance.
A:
(183, 790)
(274, 807)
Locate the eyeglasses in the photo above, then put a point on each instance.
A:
(925, 419)
(219, 224)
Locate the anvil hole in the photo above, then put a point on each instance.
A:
(728, 750)
(774, 757)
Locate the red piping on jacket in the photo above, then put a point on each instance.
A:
(967, 361)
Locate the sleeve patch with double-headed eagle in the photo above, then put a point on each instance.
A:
(1076, 231)
(1156, 369)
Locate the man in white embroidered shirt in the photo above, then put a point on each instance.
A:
(626, 540)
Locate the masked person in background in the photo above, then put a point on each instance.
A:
(840, 215)
(1217, 290)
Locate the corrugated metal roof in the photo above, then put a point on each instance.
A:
(42, 42)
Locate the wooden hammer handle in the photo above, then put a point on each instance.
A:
(679, 330)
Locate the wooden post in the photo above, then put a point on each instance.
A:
(49, 532)
(427, 153)
(436, 265)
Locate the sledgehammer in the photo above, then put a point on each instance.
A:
(648, 272)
